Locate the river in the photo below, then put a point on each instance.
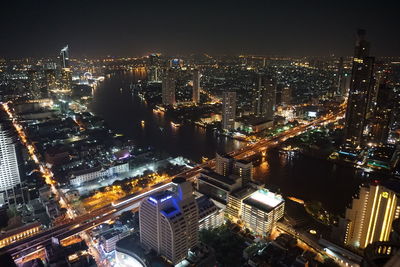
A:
(299, 176)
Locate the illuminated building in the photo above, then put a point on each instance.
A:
(64, 57)
(154, 74)
(196, 86)
(50, 77)
(66, 79)
(169, 221)
(235, 201)
(244, 169)
(265, 97)
(228, 110)
(168, 88)
(34, 83)
(261, 210)
(19, 233)
(345, 84)
(286, 98)
(210, 215)
(371, 215)
(360, 90)
(339, 76)
(224, 164)
(9, 169)
(379, 124)
(217, 186)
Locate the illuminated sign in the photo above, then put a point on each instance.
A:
(385, 194)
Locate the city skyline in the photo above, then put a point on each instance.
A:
(196, 134)
(287, 28)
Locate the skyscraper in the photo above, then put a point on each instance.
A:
(196, 86)
(9, 169)
(379, 123)
(64, 57)
(339, 76)
(265, 97)
(66, 79)
(169, 221)
(371, 215)
(360, 88)
(168, 88)
(228, 110)
(286, 97)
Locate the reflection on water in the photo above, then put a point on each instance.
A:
(298, 176)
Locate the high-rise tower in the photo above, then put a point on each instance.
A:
(371, 215)
(196, 86)
(9, 169)
(265, 97)
(169, 221)
(64, 57)
(168, 87)
(228, 110)
(360, 89)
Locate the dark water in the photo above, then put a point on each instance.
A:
(299, 176)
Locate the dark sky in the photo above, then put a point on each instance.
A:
(133, 28)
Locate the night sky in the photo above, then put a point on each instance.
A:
(40, 28)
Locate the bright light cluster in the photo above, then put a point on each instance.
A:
(266, 197)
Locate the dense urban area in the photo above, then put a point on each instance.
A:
(200, 160)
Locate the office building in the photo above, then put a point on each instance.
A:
(169, 221)
(228, 110)
(64, 57)
(216, 186)
(235, 201)
(261, 210)
(360, 90)
(371, 215)
(196, 86)
(9, 169)
(168, 88)
(345, 84)
(66, 80)
(339, 76)
(265, 97)
(379, 123)
(210, 214)
(224, 164)
(154, 74)
(50, 77)
(286, 97)
(244, 169)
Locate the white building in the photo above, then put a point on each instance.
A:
(9, 170)
(261, 210)
(169, 221)
(83, 176)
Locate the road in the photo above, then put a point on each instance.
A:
(87, 221)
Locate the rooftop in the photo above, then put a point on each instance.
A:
(264, 200)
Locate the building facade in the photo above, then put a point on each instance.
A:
(196, 86)
(169, 221)
(228, 110)
(360, 90)
(371, 216)
(9, 168)
(265, 98)
(261, 210)
(168, 88)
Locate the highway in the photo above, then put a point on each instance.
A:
(87, 221)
